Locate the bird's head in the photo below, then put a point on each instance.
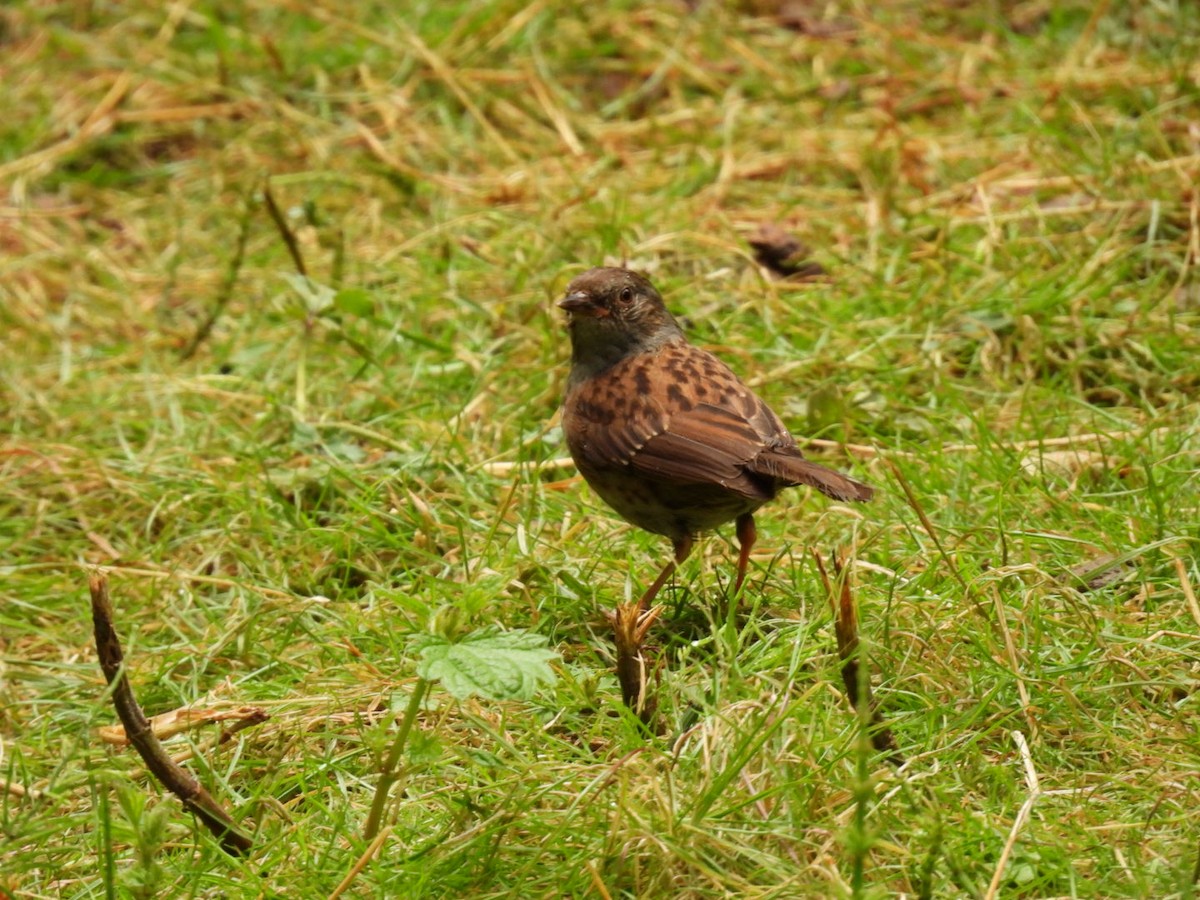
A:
(612, 313)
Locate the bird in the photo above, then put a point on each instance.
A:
(665, 432)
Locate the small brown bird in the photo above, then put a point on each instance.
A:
(665, 432)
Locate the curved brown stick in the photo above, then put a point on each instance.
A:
(856, 680)
(141, 735)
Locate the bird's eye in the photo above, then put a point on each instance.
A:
(626, 294)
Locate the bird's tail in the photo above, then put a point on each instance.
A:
(792, 469)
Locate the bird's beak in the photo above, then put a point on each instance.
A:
(577, 302)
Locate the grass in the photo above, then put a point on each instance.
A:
(1005, 198)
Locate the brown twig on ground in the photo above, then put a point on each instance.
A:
(863, 451)
(854, 677)
(141, 735)
(289, 239)
(630, 624)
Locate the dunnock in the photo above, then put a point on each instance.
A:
(665, 432)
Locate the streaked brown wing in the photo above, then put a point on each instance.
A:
(707, 445)
(681, 415)
(605, 430)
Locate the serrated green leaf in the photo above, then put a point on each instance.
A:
(495, 664)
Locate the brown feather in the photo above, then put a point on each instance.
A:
(790, 468)
(663, 431)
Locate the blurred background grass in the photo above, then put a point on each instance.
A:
(1002, 197)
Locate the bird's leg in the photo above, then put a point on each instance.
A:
(746, 535)
(683, 547)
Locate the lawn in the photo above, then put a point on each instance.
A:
(280, 359)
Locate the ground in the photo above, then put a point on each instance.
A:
(279, 354)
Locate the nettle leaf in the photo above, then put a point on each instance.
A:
(491, 663)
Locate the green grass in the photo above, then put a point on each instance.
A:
(1005, 196)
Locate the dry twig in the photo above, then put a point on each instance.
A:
(141, 735)
(857, 682)
(285, 232)
(630, 625)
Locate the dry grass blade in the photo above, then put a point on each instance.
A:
(916, 506)
(177, 721)
(18, 790)
(596, 882)
(191, 577)
(506, 467)
(361, 863)
(1189, 592)
(1035, 791)
(97, 124)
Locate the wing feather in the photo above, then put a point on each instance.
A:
(691, 422)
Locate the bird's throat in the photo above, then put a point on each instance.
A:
(595, 348)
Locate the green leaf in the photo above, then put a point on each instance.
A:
(355, 301)
(423, 747)
(495, 664)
